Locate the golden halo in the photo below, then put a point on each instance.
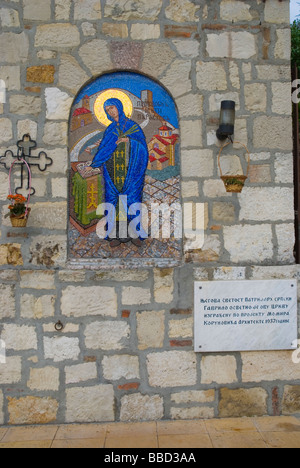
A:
(108, 94)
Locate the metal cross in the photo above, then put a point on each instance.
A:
(25, 146)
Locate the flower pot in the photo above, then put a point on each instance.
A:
(20, 221)
(234, 184)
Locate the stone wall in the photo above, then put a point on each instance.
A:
(126, 350)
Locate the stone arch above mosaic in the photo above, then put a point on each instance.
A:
(124, 190)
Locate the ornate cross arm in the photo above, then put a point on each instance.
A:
(25, 146)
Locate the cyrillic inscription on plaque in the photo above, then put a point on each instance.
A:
(245, 315)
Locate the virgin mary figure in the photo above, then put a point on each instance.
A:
(123, 153)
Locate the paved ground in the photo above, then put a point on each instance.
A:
(277, 432)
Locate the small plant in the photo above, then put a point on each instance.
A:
(17, 208)
(234, 181)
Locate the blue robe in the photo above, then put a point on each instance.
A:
(138, 157)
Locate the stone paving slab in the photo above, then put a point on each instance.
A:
(266, 432)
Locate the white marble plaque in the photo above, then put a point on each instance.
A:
(245, 315)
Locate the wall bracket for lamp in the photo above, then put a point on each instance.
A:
(25, 146)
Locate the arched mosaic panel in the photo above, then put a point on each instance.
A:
(124, 190)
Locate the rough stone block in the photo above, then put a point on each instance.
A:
(115, 30)
(260, 174)
(32, 410)
(27, 126)
(249, 243)
(235, 11)
(277, 12)
(57, 36)
(172, 369)
(237, 45)
(285, 234)
(211, 76)
(11, 372)
(14, 47)
(48, 215)
(121, 367)
(284, 168)
(157, 57)
(37, 10)
(45, 379)
(181, 328)
(126, 54)
(55, 133)
(150, 329)
(9, 18)
(71, 75)
(5, 130)
(281, 102)
(7, 300)
(135, 276)
(37, 307)
(283, 44)
(190, 105)
(96, 56)
(182, 12)
(291, 399)
(87, 9)
(191, 133)
(10, 254)
(177, 78)
(48, 251)
(267, 203)
(140, 407)
(58, 104)
(224, 212)
(79, 301)
(256, 97)
(61, 348)
(90, 404)
(144, 32)
(19, 337)
(12, 77)
(41, 74)
(271, 365)
(187, 49)
(218, 369)
(124, 10)
(60, 161)
(243, 402)
(198, 162)
(62, 9)
(135, 296)
(37, 279)
(163, 286)
(22, 105)
(193, 396)
(107, 335)
(81, 373)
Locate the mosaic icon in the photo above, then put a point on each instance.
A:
(124, 153)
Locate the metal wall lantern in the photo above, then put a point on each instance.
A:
(227, 120)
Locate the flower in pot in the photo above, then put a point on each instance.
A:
(18, 211)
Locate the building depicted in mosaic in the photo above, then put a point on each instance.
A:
(162, 149)
(82, 116)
